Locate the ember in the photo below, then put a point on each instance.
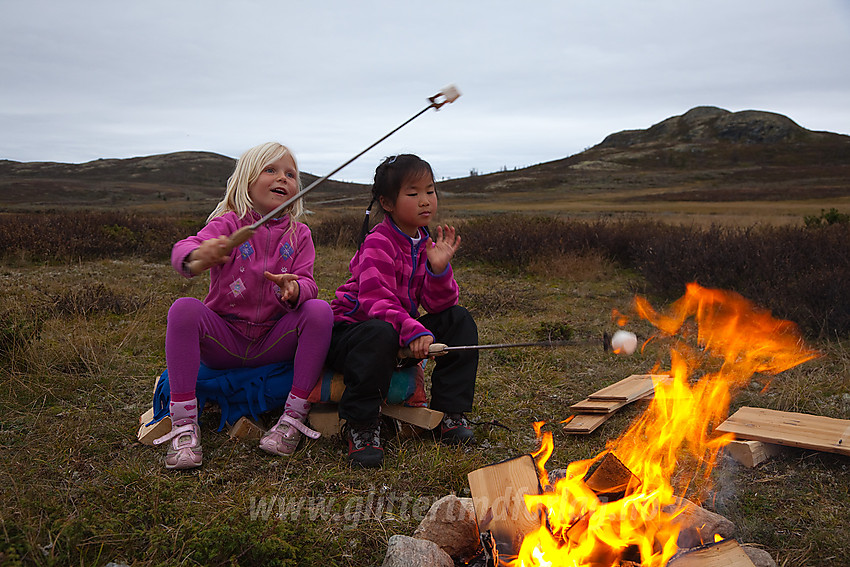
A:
(630, 514)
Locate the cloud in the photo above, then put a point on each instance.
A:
(541, 81)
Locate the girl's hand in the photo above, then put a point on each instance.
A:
(288, 284)
(419, 346)
(210, 253)
(441, 250)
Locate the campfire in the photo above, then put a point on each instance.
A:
(622, 506)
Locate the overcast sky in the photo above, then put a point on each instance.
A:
(541, 80)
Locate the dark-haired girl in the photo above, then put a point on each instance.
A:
(399, 268)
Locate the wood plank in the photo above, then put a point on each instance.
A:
(422, 417)
(791, 429)
(497, 496)
(725, 553)
(605, 406)
(598, 406)
(752, 453)
(582, 423)
(628, 389)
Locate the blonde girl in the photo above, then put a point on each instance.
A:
(261, 307)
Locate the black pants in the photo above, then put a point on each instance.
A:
(367, 355)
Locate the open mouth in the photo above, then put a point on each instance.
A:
(279, 192)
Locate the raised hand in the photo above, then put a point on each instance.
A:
(289, 288)
(441, 250)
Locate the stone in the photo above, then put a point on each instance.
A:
(759, 557)
(405, 551)
(452, 525)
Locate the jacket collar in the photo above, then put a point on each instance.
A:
(400, 235)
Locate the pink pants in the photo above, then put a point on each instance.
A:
(196, 334)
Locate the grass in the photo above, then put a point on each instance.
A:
(80, 346)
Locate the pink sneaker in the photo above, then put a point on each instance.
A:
(283, 438)
(185, 450)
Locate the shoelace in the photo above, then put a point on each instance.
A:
(188, 428)
(312, 434)
(367, 436)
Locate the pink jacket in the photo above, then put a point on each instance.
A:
(238, 290)
(390, 279)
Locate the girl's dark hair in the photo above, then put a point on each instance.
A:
(389, 176)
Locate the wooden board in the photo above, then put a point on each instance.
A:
(582, 423)
(628, 389)
(726, 553)
(605, 406)
(425, 418)
(791, 429)
(598, 406)
(497, 496)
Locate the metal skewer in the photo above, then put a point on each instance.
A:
(447, 95)
(437, 349)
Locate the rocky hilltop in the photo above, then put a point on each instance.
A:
(709, 124)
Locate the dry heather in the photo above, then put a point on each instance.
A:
(81, 344)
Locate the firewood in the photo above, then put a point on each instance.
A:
(246, 429)
(324, 418)
(582, 423)
(752, 453)
(611, 479)
(422, 417)
(147, 433)
(498, 498)
(589, 405)
(629, 389)
(725, 553)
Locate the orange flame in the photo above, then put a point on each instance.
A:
(669, 447)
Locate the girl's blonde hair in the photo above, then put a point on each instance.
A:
(247, 170)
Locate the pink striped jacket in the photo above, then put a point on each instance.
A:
(390, 280)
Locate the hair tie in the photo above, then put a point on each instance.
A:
(365, 228)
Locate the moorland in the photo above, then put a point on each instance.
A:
(749, 202)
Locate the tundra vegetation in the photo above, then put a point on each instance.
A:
(82, 323)
(745, 201)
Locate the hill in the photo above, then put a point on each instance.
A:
(708, 164)
(189, 182)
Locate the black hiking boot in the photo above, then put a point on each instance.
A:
(455, 430)
(364, 444)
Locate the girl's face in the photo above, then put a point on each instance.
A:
(277, 183)
(415, 205)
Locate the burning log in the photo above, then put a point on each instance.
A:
(498, 493)
(670, 436)
(725, 553)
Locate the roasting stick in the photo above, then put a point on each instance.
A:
(437, 349)
(447, 95)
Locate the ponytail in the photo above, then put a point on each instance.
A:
(365, 228)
